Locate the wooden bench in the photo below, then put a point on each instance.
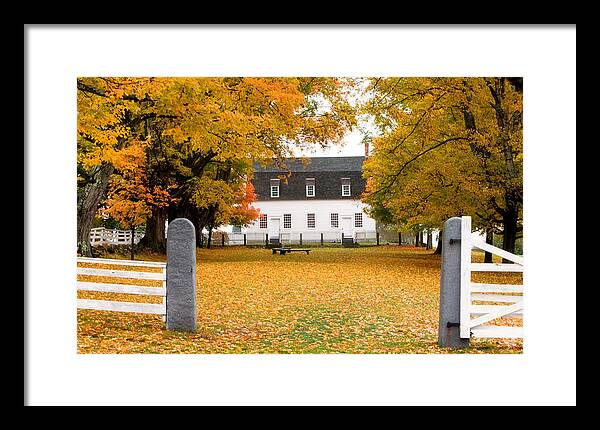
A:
(283, 251)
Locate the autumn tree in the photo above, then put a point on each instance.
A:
(448, 147)
(205, 134)
(131, 195)
(110, 113)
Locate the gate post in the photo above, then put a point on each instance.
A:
(181, 275)
(449, 329)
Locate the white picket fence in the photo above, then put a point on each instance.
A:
(473, 318)
(107, 236)
(107, 305)
(365, 236)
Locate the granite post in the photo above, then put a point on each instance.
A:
(181, 275)
(449, 330)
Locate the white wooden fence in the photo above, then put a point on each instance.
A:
(365, 236)
(107, 305)
(473, 318)
(107, 236)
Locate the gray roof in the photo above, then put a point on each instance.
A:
(316, 164)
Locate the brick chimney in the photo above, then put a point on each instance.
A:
(366, 148)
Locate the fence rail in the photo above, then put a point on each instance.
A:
(118, 306)
(289, 238)
(107, 236)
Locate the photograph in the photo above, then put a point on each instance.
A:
(233, 215)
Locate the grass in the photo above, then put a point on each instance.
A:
(375, 300)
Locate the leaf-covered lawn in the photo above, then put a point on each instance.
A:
(335, 300)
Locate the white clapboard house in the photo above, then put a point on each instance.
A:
(310, 200)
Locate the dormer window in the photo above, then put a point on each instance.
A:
(274, 188)
(346, 191)
(310, 187)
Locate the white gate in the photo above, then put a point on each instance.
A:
(474, 317)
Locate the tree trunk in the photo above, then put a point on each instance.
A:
(438, 250)
(513, 196)
(510, 225)
(88, 198)
(210, 229)
(154, 238)
(489, 239)
(199, 235)
(429, 239)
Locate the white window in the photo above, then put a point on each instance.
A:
(335, 221)
(274, 188)
(310, 220)
(346, 187)
(310, 190)
(358, 220)
(310, 187)
(263, 220)
(287, 220)
(236, 229)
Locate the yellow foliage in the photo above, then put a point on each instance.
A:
(443, 150)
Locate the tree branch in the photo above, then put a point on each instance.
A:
(397, 175)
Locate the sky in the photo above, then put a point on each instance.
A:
(351, 145)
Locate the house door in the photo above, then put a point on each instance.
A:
(347, 226)
(274, 228)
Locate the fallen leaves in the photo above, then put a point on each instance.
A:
(376, 300)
